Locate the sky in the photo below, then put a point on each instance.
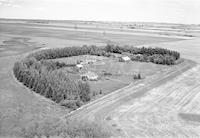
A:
(171, 11)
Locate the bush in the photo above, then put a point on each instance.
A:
(71, 104)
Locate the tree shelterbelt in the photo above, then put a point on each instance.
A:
(48, 79)
(154, 55)
(43, 76)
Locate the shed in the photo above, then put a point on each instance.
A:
(124, 59)
(90, 76)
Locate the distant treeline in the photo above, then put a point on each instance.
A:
(46, 78)
(155, 55)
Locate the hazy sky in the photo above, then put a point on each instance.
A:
(178, 11)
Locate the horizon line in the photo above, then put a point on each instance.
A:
(157, 22)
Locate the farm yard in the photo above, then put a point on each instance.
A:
(164, 103)
(112, 74)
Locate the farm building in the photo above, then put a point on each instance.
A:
(90, 76)
(124, 59)
(79, 66)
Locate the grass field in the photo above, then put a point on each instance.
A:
(163, 105)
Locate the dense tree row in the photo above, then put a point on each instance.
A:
(156, 58)
(68, 52)
(144, 50)
(44, 78)
(48, 79)
(155, 55)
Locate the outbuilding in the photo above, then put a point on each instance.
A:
(79, 66)
(124, 59)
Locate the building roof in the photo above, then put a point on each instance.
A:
(79, 65)
(126, 58)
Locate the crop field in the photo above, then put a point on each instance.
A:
(166, 103)
(165, 111)
(81, 37)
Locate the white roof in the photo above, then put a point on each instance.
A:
(125, 58)
(79, 65)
